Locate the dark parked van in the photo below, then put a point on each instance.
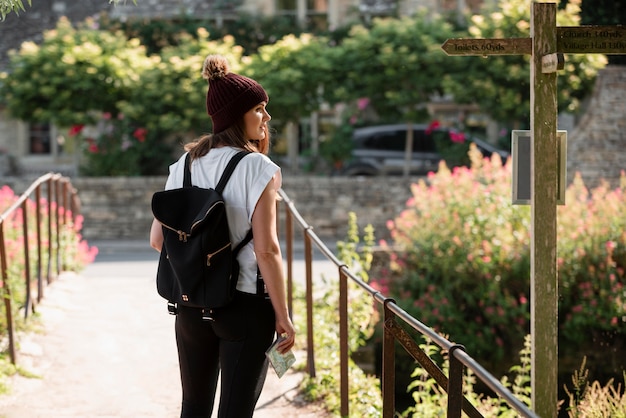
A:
(380, 150)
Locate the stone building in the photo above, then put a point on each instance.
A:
(597, 147)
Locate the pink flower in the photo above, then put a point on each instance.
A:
(140, 134)
(362, 103)
(433, 125)
(106, 115)
(75, 130)
(457, 137)
(610, 245)
(92, 147)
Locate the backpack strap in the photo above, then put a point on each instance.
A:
(225, 177)
(187, 172)
(246, 240)
(229, 170)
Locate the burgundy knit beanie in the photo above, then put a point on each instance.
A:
(230, 95)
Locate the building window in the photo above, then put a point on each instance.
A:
(318, 6)
(378, 7)
(315, 15)
(286, 7)
(39, 139)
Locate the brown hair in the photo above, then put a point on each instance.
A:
(233, 136)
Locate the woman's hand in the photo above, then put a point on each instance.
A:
(285, 329)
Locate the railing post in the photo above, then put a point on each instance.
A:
(455, 383)
(50, 243)
(389, 362)
(6, 293)
(343, 343)
(289, 238)
(29, 301)
(57, 199)
(66, 205)
(308, 258)
(38, 221)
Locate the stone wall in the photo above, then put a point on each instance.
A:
(597, 147)
(119, 207)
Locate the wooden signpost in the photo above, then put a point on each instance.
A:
(546, 46)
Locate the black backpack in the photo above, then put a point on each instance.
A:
(198, 266)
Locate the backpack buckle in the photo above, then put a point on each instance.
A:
(172, 308)
(208, 314)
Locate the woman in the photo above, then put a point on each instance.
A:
(235, 343)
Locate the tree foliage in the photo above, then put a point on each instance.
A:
(397, 64)
(169, 97)
(71, 74)
(604, 12)
(293, 70)
(11, 6)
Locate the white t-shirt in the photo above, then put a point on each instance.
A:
(241, 194)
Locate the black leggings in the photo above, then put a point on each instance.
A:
(234, 344)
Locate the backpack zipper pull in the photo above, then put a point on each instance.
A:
(208, 256)
(182, 236)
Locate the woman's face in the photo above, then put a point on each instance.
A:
(255, 123)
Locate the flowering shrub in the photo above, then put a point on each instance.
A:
(463, 260)
(73, 250)
(451, 145)
(114, 147)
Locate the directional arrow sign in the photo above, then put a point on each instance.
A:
(591, 39)
(485, 47)
(570, 40)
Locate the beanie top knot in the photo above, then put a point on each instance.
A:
(215, 67)
(230, 95)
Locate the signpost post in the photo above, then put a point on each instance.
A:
(546, 46)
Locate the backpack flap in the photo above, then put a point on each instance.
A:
(182, 210)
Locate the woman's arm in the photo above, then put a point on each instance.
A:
(156, 235)
(269, 259)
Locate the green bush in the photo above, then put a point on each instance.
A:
(594, 400)
(365, 399)
(72, 73)
(462, 263)
(432, 400)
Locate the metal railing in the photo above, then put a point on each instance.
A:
(61, 201)
(394, 319)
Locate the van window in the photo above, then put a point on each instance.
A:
(392, 140)
(422, 142)
(395, 140)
